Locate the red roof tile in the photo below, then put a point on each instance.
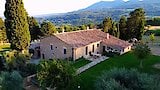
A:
(85, 37)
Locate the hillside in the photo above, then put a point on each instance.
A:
(98, 11)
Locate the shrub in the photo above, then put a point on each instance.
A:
(55, 74)
(123, 79)
(28, 69)
(11, 81)
(111, 54)
(16, 60)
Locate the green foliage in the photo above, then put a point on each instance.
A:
(142, 51)
(83, 27)
(47, 28)
(55, 74)
(91, 25)
(2, 63)
(152, 37)
(111, 54)
(28, 69)
(153, 22)
(16, 60)
(124, 79)
(123, 28)
(11, 81)
(114, 30)
(155, 32)
(17, 25)
(107, 24)
(3, 37)
(34, 28)
(135, 24)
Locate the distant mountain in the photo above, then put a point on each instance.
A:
(98, 11)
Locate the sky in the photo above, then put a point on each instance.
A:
(39, 7)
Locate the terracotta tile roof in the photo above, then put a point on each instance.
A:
(85, 37)
(116, 43)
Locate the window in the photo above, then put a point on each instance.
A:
(51, 47)
(93, 48)
(65, 51)
(86, 50)
(104, 48)
(97, 45)
(43, 56)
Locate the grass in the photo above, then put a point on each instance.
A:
(128, 60)
(81, 62)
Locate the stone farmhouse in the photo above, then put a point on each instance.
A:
(83, 43)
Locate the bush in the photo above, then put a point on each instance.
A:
(28, 69)
(111, 54)
(11, 81)
(16, 60)
(55, 74)
(123, 79)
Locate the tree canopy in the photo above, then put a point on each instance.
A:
(107, 24)
(135, 24)
(48, 28)
(11, 81)
(55, 74)
(17, 25)
(34, 28)
(141, 51)
(123, 28)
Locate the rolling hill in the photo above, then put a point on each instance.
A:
(98, 11)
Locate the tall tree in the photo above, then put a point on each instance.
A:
(123, 28)
(47, 28)
(135, 24)
(34, 28)
(107, 24)
(114, 30)
(3, 36)
(17, 25)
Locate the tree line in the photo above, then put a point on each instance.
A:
(127, 27)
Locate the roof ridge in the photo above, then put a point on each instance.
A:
(75, 31)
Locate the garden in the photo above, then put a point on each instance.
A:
(128, 61)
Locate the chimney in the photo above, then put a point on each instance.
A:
(57, 32)
(87, 28)
(63, 30)
(107, 35)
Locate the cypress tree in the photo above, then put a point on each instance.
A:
(34, 28)
(17, 25)
(123, 28)
(3, 37)
(135, 23)
(107, 24)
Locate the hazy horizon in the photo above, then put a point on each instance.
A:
(42, 7)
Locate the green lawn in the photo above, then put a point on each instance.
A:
(128, 61)
(79, 63)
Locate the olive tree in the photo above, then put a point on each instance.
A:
(55, 74)
(141, 51)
